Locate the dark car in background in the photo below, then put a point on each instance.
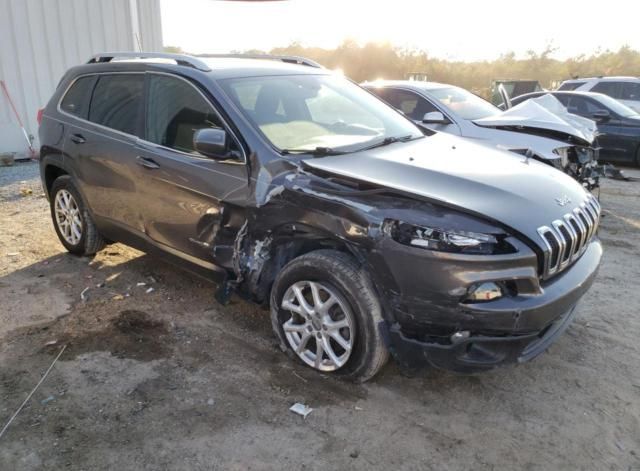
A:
(299, 190)
(618, 125)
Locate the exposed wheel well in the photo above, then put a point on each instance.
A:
(51, 172)
(281, 251)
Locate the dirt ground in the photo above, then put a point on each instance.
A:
(166, 378)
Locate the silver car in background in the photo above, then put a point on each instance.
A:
(543, 130)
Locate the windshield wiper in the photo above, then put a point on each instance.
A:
(388, 140)
(317, 151)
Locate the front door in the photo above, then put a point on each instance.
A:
(189, 202)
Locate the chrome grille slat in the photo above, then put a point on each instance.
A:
(567, 238)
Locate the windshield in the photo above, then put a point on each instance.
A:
(615, 106)
(306, 112)
(465, 104)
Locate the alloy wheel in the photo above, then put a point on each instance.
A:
(321, 328)
(68, 218)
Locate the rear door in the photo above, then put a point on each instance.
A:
(100, 143)
(188, 201)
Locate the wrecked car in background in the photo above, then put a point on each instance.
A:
(543, 130)
(618, 125)
(299, 190)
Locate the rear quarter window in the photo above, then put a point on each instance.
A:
(116, 102)
(76, 99)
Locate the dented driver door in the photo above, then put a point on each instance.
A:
(187, 199)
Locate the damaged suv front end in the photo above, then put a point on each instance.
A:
(478, 259)
(471, 277)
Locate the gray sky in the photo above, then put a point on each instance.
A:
(453, 29)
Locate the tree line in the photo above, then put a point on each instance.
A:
(371, 61)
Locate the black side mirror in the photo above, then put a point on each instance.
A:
(435, 117)
(212, 142)
(601, 116)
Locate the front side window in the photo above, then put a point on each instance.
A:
(583, 106)
(305, 112)
(619, 108)
(175, 111)
(116, 102)
(464, 103)
(411, 104)
(75, 100)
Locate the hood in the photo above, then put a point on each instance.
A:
(512, 190)
(545, 112)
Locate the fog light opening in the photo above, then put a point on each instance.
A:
(459, 336)
(487, 291)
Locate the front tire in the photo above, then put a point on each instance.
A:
(326, 313)
(71, 219)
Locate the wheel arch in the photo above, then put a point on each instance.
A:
(268, 255)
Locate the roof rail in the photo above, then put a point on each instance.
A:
(274, 57)
(181, 59)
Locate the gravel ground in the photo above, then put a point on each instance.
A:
(168, 379)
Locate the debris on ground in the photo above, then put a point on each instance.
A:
(301, 409)
(141, 283)
(50, 343)
(48, 399)
(117, 297)
(25, 191)
(83, 294)
(151, 289)
(210, 402)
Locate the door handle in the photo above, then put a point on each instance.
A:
(78, 138)
(147, 162)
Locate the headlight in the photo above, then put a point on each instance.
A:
(448, 240)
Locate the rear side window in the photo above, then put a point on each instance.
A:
(571, 86)
(77, 97)
(613, 89)
(175, 111)
(116, 102)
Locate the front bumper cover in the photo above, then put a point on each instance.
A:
(508, 330)
(476, 353)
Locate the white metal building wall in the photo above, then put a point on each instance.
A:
(41, 39)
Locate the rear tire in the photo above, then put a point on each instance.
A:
(71, 219)
(324, 302)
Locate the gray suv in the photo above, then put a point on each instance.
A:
(301, 191)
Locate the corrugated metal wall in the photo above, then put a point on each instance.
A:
(40, 39)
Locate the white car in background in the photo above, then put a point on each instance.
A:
(541, 129)
(624, 89)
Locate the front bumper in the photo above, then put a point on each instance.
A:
(476, 353)
(509, 330)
